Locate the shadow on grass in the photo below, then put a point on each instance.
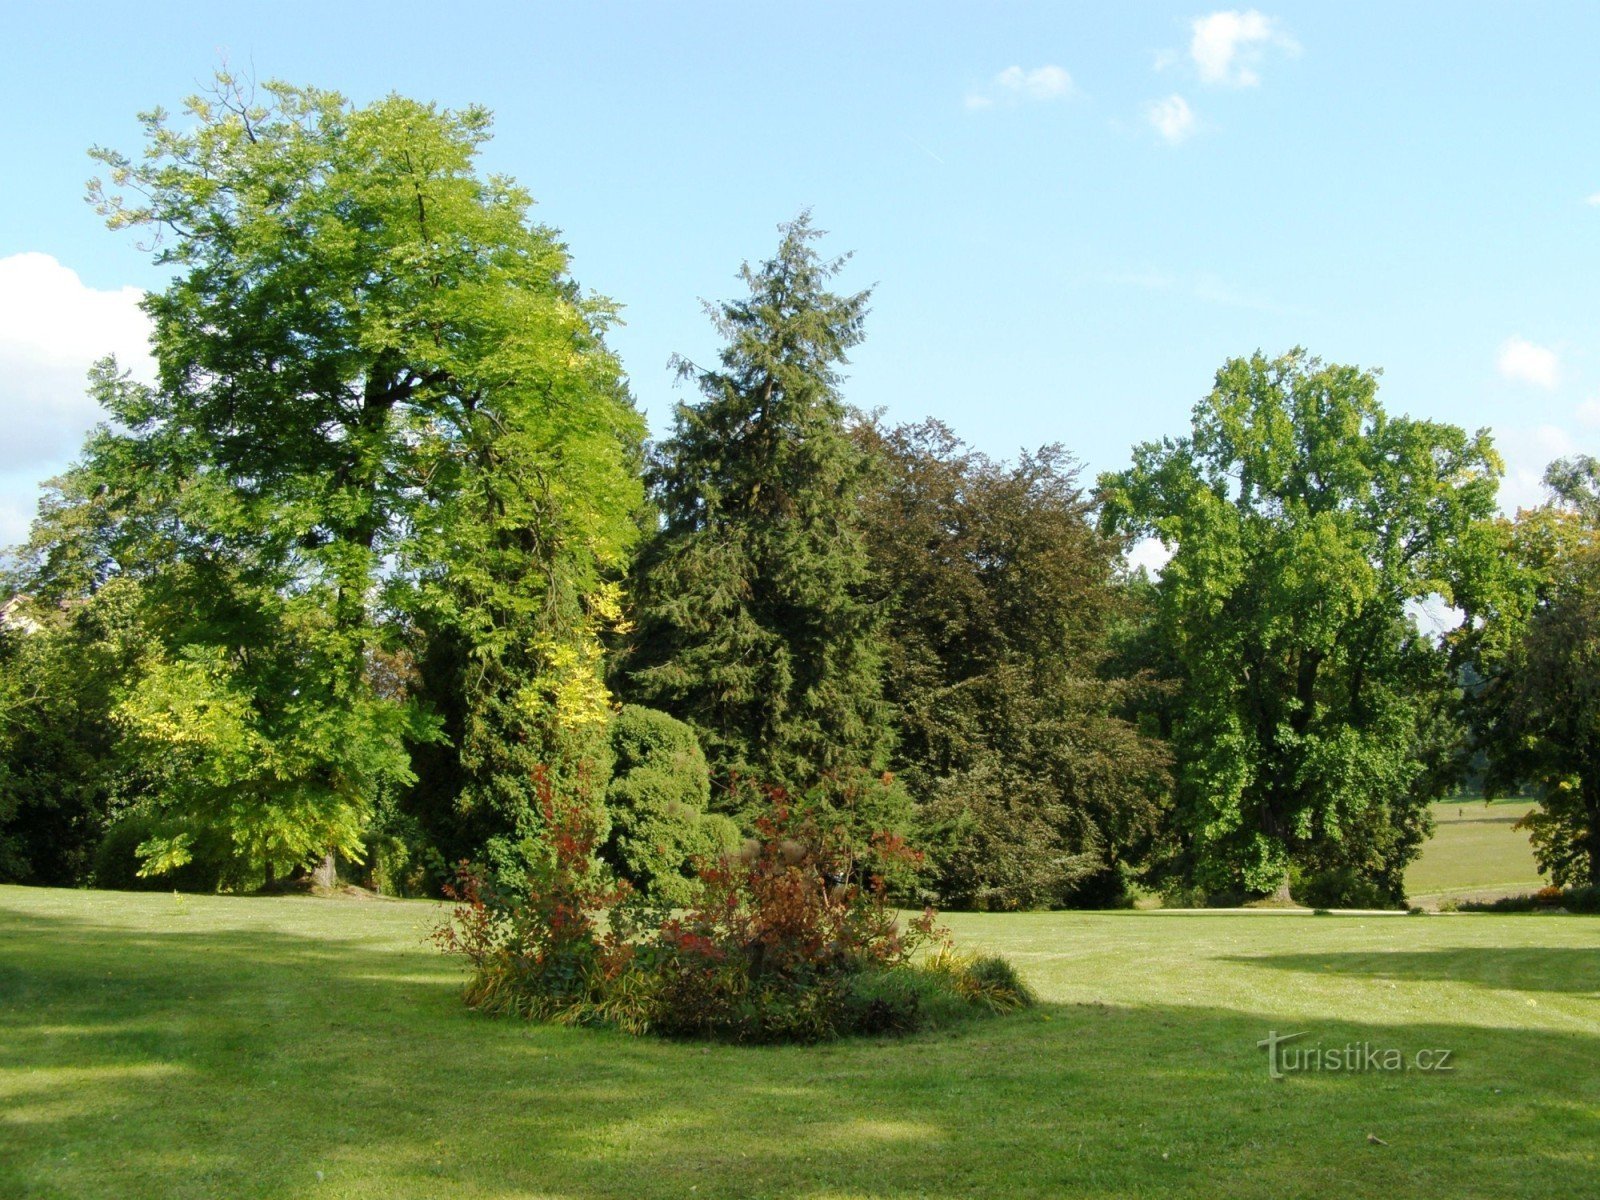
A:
(255, 1063)
(1526, 968)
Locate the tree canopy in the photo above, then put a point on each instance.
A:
(1304, 520)
(1538, 699)
(385, 420)
(752, 622)
(1000, 593)
(382, 566)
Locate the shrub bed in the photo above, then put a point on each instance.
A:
(1547, 899)
(791, 938)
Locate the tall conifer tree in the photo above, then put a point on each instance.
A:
(751, 622)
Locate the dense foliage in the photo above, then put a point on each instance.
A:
(752, 620)
(1033, 790)
(1304, 520)
(60, 782)
(382, 564)
(658, 799)
(385, 432)
(1539, 702)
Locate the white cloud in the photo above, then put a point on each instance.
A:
(1589, 411)
(1228, 46)
(52, 328)
(1528, 451)
(1173, 118)
(1150, 553)
(1017, 84)
(1522, 361)
(1593, 200)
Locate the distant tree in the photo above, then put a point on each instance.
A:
(385, 420)
(1574, 485)
(1032, 789)
(1539, 702)
(751, 618)
(1306, 524)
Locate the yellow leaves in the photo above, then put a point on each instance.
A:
(570, 687)
(605, 608)
(188, 704)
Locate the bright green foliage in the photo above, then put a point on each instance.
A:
(1540, 702)
(657, 799)
(1312, 722)
(751, 621)
(1033, 791)
(256, 742)
(385, 427)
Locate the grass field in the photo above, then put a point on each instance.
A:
(1474, 850)
(164, 1046)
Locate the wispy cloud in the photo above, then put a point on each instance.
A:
(1227, 47)
(1208, 289)
(1016, 85)
(1593, 201)
(1589, 411)
(1172, 118)
(1522, 361)
(1528, 450)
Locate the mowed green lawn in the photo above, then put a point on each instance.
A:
(1474, 848)
(163, 1046)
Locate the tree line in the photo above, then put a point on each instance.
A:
(385, 553)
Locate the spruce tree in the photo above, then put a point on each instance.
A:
(751, 623)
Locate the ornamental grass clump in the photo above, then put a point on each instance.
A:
(792, 938)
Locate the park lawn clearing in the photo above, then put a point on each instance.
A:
(1475, 850)
(156, 1045)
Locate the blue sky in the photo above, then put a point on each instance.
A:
(1072, 215)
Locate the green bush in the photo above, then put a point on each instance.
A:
(657, 799)
(1342, 887)
(397, 858)
(1584, 899)
(213, 866)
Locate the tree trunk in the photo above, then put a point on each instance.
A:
(1282, 896)
(1591, 812)
(326, 873)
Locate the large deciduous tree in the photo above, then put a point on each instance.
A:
(385, 422)
(1539, 700)
(1032, 790)
(752, 622)
(1306, 524)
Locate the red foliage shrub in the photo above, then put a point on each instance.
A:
(791, 939)
(543, 951)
